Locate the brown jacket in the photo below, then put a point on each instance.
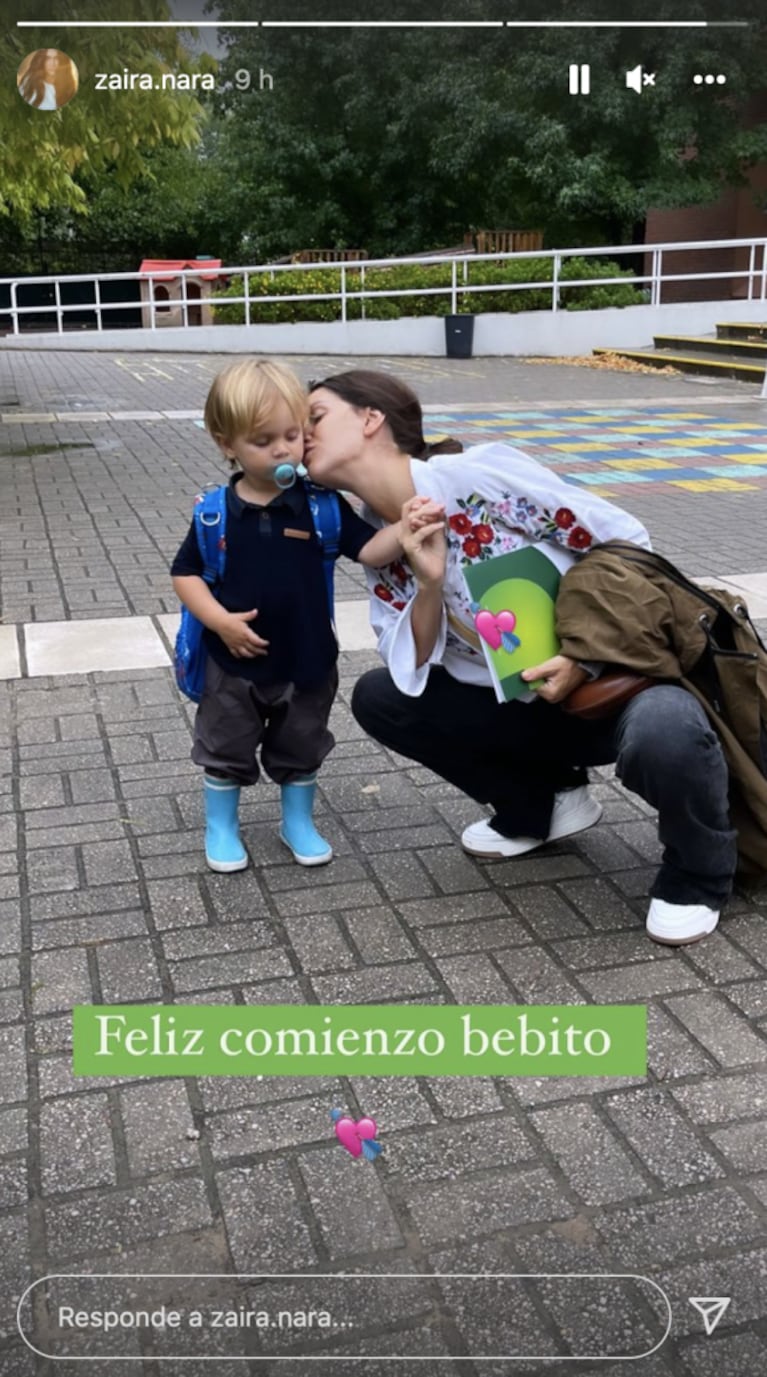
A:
(626, 606)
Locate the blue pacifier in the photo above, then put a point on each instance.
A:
(284, 475)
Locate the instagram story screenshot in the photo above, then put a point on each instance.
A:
(383, 688)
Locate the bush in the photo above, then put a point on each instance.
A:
(412, 277)
(596, 298)
(316, 280)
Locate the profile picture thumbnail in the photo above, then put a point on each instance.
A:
(47, 79)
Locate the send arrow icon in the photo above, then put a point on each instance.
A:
(711, 1309)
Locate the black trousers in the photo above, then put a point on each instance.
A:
(513, 756)
(517, 756)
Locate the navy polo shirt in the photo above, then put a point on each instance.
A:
(274, 563)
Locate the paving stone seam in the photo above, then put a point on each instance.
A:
(759, 1024)
(546, 1318)
(593, 934)
(205, 1166)
(304, 1202)
(163, 551)
(349, 938)
(311, 1147)
(123, 1176)
(642, 1305)
(713, 1125)
(162, 1177)
(94, 975)
(89, 421)
(718, 1070)
(614, 1133)
(155, 935)
(444, 1329)
(744, 951)
(594, 1214)
(697, 1131)
(753, 1202)
(207, 1163)
(426, 960)
(718, 1067)
(35, 1212)
(589, 1095)
(548, 946)
(95, 528)
(59, 581)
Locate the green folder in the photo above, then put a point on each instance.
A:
(513, 598)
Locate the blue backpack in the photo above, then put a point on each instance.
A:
(190, 654)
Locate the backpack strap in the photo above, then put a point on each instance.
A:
(210, 525)
(326, 515)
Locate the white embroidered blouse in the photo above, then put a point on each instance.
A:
(496, 499)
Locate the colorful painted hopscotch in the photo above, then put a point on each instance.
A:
(605, 447)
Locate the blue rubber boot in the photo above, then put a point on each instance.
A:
(223, 849)
(298, 831)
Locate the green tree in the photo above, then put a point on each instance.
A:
(175, 209)
(46, 157)
(401, 140)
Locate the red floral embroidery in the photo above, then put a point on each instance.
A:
(398, 571)
(382, 592)
(400, 606)
(486, 529)
(579, 539)
(483, 533)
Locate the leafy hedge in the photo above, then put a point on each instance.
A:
(413, 276)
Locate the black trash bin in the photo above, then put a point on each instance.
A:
(459, 336)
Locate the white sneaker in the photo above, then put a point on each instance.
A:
(574, 811)
(677, 924)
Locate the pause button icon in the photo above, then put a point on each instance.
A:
(580, 79)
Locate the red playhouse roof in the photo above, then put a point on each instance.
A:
(170, 267)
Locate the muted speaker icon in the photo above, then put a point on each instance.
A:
(637, 79)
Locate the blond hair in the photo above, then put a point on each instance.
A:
(244, 395)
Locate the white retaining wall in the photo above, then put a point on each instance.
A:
(529, 333)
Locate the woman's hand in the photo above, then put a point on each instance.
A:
(560, 677)
(423, 541)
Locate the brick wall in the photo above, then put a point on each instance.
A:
(717, 221)
(737, 214)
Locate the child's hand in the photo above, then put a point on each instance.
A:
(238, 638)
(423, 540)
(419, 512)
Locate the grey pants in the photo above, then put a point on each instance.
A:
(289, 724)
(669, 754)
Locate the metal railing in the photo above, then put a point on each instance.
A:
(352, 282)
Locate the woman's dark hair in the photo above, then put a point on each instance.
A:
(366, 387)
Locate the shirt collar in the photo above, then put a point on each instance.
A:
(293, 498)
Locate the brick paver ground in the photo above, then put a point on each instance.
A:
(104, 897)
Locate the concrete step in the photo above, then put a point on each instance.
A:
(692, 361)
(747, 349)
(738, 329)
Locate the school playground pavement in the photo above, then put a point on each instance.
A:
(105, 898)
